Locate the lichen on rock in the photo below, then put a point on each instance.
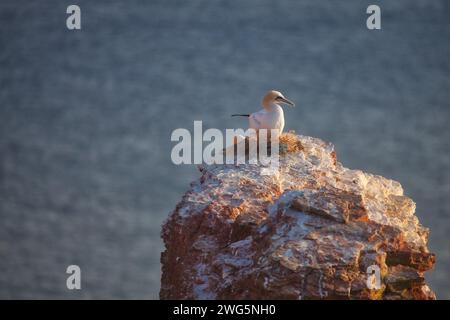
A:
(311, 231)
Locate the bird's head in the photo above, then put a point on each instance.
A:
(275, 97)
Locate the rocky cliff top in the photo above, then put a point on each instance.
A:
(313, 230)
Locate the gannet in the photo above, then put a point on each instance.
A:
(272, 115)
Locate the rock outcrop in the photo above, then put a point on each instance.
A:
(314, 230)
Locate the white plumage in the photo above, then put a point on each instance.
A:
(272, 115)
(270, 118)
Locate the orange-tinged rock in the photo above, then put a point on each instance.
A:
(310, 231)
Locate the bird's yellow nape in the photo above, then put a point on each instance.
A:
(277, 97)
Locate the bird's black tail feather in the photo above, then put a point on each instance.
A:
(240, 115)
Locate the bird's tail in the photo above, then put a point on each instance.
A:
(240, 115)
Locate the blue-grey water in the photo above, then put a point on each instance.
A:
(86, 117)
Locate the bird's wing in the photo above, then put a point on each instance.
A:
(256, 120)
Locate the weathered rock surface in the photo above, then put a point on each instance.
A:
(308, 232)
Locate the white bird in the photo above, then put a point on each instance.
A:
(272, 115)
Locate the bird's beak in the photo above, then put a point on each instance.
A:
(286, 101)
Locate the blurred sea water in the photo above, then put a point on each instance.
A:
(86, 117)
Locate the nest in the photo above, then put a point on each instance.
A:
(289, 143)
